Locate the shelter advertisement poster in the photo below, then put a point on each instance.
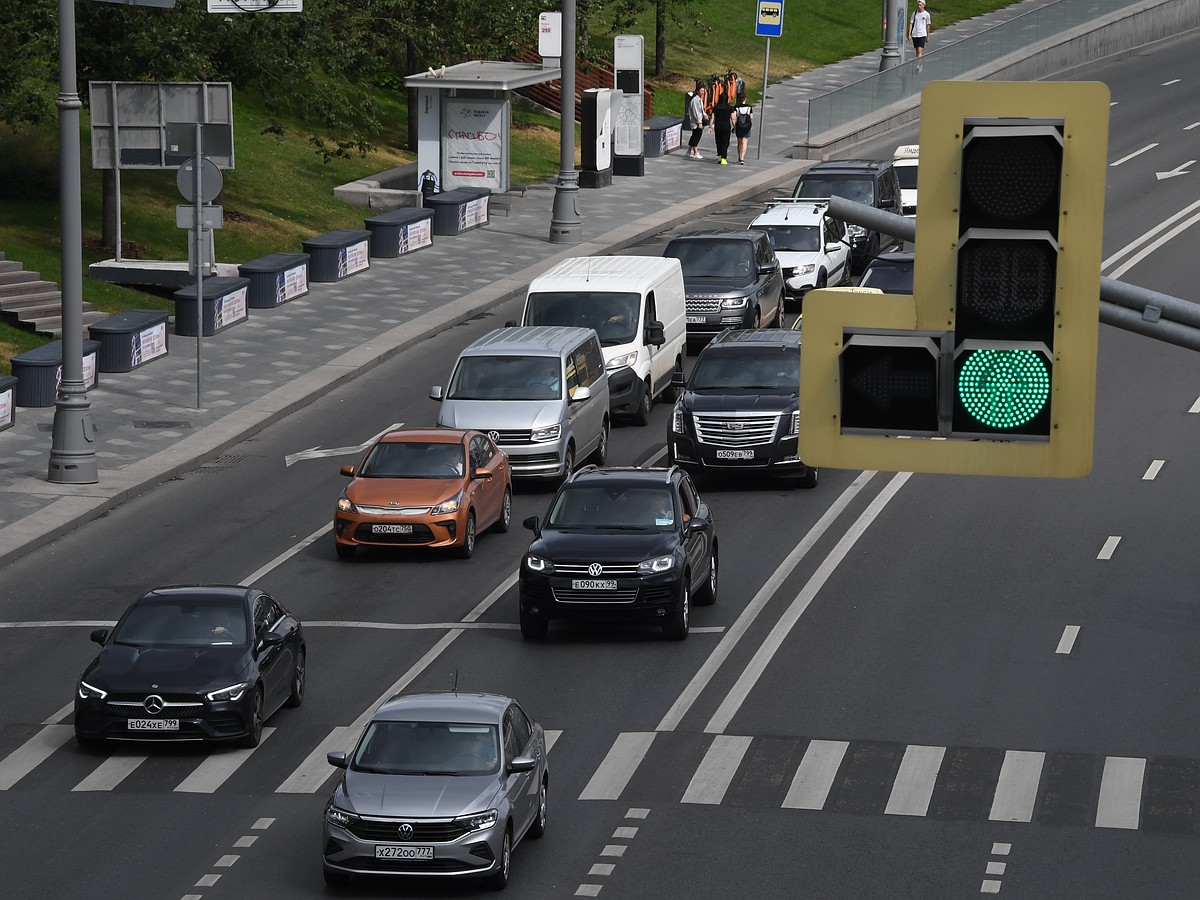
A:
(7, 413)
(291, 284)
(149, 343)
(474, 144)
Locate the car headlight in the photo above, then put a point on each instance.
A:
(229, 694)
(447, 506)
(478, 821)
(795, 429)
(537, 564)
(856, 231)
(805, 270)
(620, 362)
(734, 302)
(550, 433)
(344, 505)
(677, 420)
(89, 692)
(339, 817)
(656, 565)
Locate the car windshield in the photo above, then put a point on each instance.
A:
(773, 370)
(793, 238)
(428, 748)
(506, 378)
(610, 506)
(860, 190)
(714, 259)
(891, 278)
(613, 314)
(907, 176)
(413, 459)
(183, 624)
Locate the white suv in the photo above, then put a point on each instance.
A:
(811, 247)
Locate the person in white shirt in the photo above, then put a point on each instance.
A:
(919, 28)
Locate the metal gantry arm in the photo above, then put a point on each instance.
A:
(1162, 317)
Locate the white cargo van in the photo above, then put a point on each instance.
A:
(636, 305)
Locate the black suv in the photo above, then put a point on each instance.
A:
(892, 273)
(870, 181)
(740, 409)
(620, 544)
(732, 280)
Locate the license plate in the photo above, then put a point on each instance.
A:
(391, 529)
(594, 584)
(697, 320)
(153, 724)
(735, 454)
(399, 851)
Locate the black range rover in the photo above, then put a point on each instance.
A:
(633, 544)
(740, 409)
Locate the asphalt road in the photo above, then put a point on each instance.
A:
(869, 633)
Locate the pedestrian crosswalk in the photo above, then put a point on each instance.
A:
(857, 777)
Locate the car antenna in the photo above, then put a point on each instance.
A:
(455, 688)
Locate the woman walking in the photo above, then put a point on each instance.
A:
(743, 123)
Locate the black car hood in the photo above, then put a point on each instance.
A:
(124, 667)
(716, 286)
(603, 544)
(718, 401)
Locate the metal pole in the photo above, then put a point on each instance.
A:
(72, 456)
(891, 50)
(565, 222)
(762, 106)
(116, 174)
(197, 226)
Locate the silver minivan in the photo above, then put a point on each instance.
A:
(540, 392)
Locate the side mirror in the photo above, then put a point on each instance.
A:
(678, 379)
(435, 392)
(533, 525)
(272, 639)
(348, 471)
(656, 334)
(695, 523)
(832, 246)
(522, 764)
(511, 323)
(581, 393)
(99, 636)
(486, 474)
(887, 204)
(336, 758)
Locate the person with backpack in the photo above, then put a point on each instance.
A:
(743, 122)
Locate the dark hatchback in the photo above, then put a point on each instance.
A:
(626, 544)
(192, 663)
(891, 273)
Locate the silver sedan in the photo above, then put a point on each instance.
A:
(439, 784)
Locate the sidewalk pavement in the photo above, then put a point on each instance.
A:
(148, 429)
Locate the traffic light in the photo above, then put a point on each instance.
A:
(990, 366)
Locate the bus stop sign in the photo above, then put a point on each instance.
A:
(770, 19)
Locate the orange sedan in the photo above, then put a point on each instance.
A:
(432, 487)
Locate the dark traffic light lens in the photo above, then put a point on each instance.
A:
(1007, 283)
(1004, 390)
(1012, 182)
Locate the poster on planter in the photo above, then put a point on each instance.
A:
(475, 144)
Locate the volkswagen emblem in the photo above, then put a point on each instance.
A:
(405, 831)
(495, 436)
(154, 704)
(595, 569)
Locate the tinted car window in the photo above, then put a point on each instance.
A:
(794, 238)
(907, 176)
(714, 259)
(427, 748)
(613, 314)
(613, 507)
(860, 189)
(184, 624)
(746, 370)
(506, 378)
(889, 278)
(520, 728)
(413, 459)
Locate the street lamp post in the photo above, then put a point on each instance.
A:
(890, 57)
(72, 456)
(565, 221)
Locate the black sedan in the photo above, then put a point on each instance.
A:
(192, 663)
(620, 543)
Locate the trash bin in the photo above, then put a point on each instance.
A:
(275, 278)
(8, 406)
(400, 231)
(459, 210)
(131, 339)
(39, 372)
(338, 254)
(224, 306)
(661, 135)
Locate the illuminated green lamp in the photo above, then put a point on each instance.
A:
(1002, 392)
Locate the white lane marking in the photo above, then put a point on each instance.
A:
(318, 453)
(1016, 789)
(263, 824)
(416, 626)
(770, 646)
(33, 753)
(110, 773)
(1135, 153)
(625, 832)
(1181, 169)
(588, 890)
(636, 812)
(287, 554)
(814, 778)
(601, 869)
(996, 868)
(208, 881)
(1156, 243)
(617, 850)
(913, 787)
(716, 771)
(1066, 643)
(1110, 547)
(1120, 792)
(552, 737)
(1001, 849)
(1171, 82)
(61, 714)
(246, 840)
(308, 777)
(989, 886)
(66, 623)
(1190, 127)
(227, 861)
(1195, 406)
(1153, 470)
(725, 647)
(624, 756)
(217, 768)
(1147, 236)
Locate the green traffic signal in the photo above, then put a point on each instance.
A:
(1002, 392)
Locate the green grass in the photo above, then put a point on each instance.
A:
(281, 190)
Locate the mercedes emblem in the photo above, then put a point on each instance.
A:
(154, 704)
